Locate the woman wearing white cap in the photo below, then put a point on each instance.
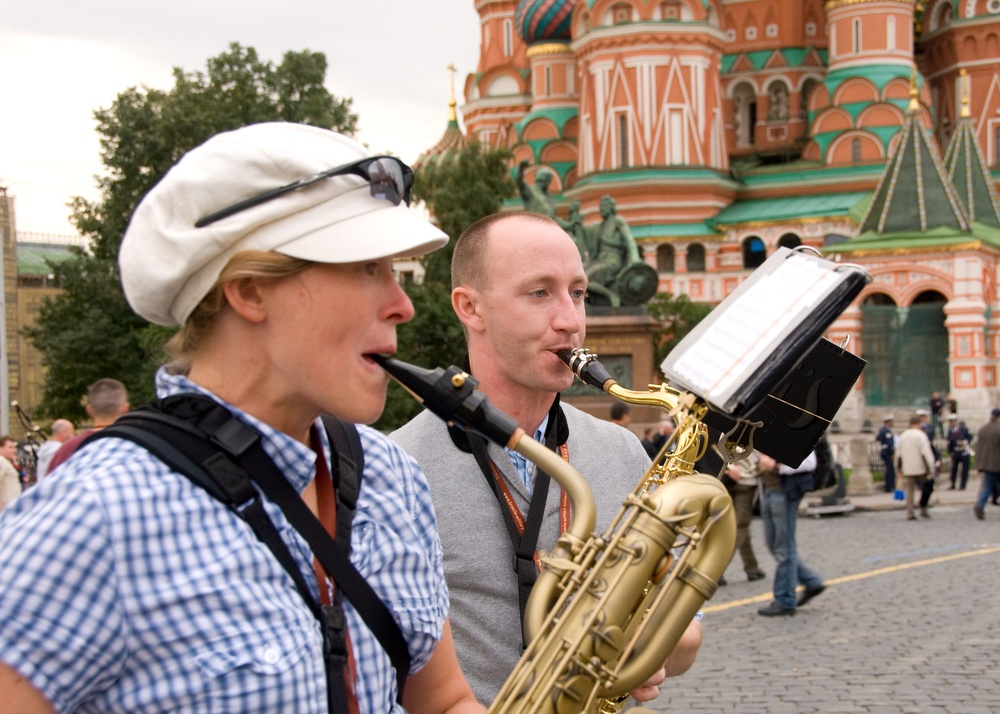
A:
(124, 586)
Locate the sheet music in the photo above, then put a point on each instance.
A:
(752, 326)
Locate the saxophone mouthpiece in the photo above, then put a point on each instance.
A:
(585, 366)
(451, 394)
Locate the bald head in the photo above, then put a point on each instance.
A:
(62, 430)
(470, 262)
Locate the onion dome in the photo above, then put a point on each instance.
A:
(452, 141)
(447, 148)
(542, 20)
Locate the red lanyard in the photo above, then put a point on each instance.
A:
(515, 511)
(326, 501)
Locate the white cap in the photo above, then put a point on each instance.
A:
(168, 266)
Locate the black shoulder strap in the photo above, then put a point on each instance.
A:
(226, 455)
(347, 470)
(225, 485)
(524, 545)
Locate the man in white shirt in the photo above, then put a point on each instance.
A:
(915, 463)
(62, 431)
(784, 487)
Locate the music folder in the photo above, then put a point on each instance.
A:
(759, 357)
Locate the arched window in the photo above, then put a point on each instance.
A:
(754, 252)
(712, 16)
(855, 150)
(696, 258)
(621, 120)
(789, 240)
(665, 258)
(807, 88)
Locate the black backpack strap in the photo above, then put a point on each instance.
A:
(243, 444)
(225, 484)
(347, 470)
(225, 456)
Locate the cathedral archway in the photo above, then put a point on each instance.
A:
(696, 258)
(665, 258)
(789, 240)
(906, 349)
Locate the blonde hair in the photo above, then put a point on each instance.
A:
(259, 264)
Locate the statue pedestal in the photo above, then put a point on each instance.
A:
(622, 339)
(860, 482)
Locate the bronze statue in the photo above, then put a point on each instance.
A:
(536, 198)
(574, 226)
(618, 275)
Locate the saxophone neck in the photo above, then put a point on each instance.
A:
(569, 479)
(452, 394)
(689, 441)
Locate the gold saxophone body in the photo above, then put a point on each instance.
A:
(607, 609)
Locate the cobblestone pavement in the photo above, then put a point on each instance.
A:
(910, 622)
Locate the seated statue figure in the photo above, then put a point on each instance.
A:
(618, 275)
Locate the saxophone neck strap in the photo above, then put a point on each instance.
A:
(523, 532)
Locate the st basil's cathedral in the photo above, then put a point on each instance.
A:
(723, 129)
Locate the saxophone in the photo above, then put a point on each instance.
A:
(608, 608)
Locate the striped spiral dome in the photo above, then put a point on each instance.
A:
(538, 20)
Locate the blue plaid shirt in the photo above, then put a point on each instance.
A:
(125, 588)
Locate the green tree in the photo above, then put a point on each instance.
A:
(88, 331)
(677, 316)
(457, 191)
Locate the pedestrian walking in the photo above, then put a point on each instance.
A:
(916, 464)
(960, 449)
(988, 460)
(784, 487)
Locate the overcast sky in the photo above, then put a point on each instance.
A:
(63, 59)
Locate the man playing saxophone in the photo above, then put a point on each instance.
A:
(518, 290)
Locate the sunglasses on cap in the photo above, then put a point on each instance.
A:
(390, 180)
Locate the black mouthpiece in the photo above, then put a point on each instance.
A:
(585, 366)
(452, 395)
